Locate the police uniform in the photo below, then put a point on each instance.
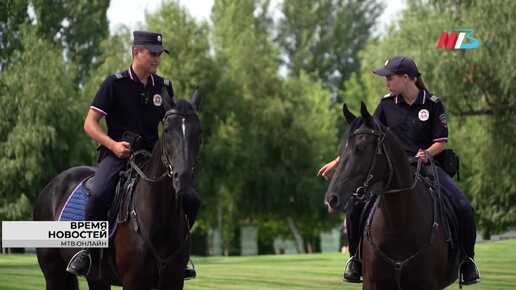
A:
(418, 126)
(128, 105)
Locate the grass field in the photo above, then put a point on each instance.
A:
(497, 262)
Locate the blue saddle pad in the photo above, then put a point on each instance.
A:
(74, 208)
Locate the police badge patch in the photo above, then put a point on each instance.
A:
(424, 115)
(442, 119)
(157, 100)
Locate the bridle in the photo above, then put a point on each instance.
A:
(380, 149)
(169, 166)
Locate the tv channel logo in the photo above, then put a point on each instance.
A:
(455, 39)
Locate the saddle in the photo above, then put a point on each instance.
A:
(126, 185)
(428, 177)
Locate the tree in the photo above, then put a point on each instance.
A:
(38, 130)
(303, 138)
(13, 15)
(323, 37)
(77, 26)
(247, 63)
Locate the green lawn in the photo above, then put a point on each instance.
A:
(497, 262)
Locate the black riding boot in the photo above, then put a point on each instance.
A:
(80, 264)
(353, 271)
(190, 273)
(469, 272)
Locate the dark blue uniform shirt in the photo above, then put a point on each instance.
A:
(417, 126)
(129, 106)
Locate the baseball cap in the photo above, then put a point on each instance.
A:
(398, 65)
(153, 41)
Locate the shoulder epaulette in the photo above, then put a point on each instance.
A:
(119, 75)
(387, 96)
(434, 98)
(167, 82)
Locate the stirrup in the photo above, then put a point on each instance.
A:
(461, 278)
(346, 268)
(81, 252)
(193, 269)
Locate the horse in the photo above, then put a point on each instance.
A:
(404, 243)
(151, 249)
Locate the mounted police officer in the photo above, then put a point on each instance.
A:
(131, 102)
(417, 118)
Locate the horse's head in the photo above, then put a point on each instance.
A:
(181, 139)
(359, 165)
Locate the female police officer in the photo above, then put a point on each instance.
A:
(417, 118)
(120, 98)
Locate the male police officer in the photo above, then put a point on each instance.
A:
(127, 101)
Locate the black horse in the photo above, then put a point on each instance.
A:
(152, 249)
(404, 243)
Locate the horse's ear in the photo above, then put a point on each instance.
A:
(347, 114)
(168, 102)
(364, 112)
(196, 98)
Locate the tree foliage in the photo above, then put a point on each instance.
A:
(40, 126)
(323, 37)
(77, 26)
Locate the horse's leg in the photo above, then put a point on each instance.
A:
(130, 283)
(173, 281)
(54, 269)
(95, 285)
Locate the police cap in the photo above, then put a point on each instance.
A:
(398, 65)
(153, 41)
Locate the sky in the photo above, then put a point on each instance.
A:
(131, 12)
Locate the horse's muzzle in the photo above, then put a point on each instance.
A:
(182, 180)
(332, 202)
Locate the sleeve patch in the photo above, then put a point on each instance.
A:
(442, 119)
